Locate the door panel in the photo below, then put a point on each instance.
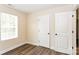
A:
(63, 32)
(44, 30)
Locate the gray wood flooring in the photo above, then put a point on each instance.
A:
(77, 50)
(28, 49)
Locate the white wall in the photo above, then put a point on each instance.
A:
(22, 29)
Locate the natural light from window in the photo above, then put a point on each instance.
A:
(9, 26)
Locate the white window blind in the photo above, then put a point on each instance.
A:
(9, 26)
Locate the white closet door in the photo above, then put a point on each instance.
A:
(43, 30)
(63, 32)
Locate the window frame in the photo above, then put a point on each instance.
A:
(15, 26)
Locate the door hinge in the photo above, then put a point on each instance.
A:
(72, 15)
(72, 47)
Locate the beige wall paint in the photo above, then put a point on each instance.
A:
(22, 29)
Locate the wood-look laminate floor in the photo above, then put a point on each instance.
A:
(77, 50)
(28, 49)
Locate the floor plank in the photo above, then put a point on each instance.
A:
(77, 50)
(28, 49)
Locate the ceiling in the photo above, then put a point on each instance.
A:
(29, 8)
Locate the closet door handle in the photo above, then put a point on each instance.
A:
(56, 34)
(72, 31)
(48, 33)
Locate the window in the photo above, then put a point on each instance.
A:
(9, 26)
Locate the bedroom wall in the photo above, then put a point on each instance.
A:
(22, 29)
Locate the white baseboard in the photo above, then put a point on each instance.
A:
(33, 43)
(12, 47)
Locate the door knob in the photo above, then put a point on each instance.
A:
(56, 34)
(72, 31)
(48, 33)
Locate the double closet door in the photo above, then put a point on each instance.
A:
(61, 39)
